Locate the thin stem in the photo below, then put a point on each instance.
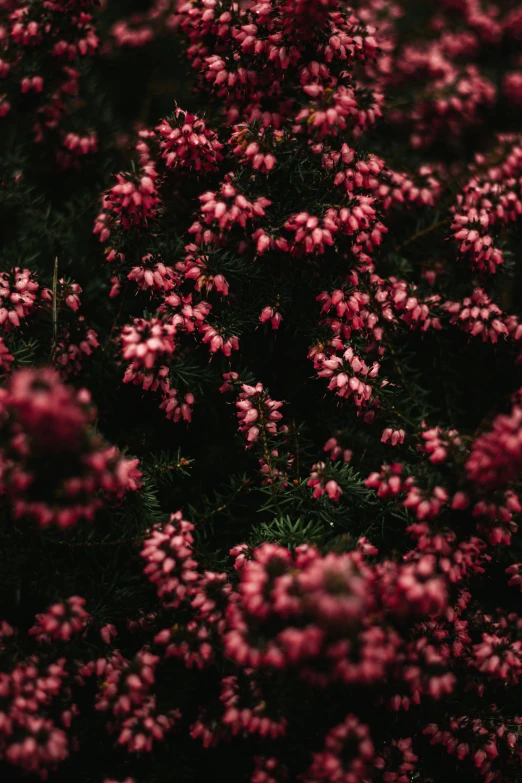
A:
(55, 306)
(296, 442)
(116, 318)
(95, 544)
(444, 389)
(403, 381)
(268, 459)
(183, 463)
(396, 363)
(224, 506)
(422, 233)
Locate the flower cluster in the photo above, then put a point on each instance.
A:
(144, 345)
(29, 738)
(479, 316)
(328, 764)
(496, 456)
(186, 143)
(257, 413)
(349, 375)
(152, 275)
(170, 563)
(26, 305)
(61, 620)
(46, 93)
(490, 199)
(132, 201)
(53, 468)
(17, 296)
(322, 484)
(140, 29)
(223, 211)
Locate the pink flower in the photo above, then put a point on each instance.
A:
(496, 456)
(393, 436)
(108, 632)
(333, 490)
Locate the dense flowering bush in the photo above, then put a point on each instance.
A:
(261, 391)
